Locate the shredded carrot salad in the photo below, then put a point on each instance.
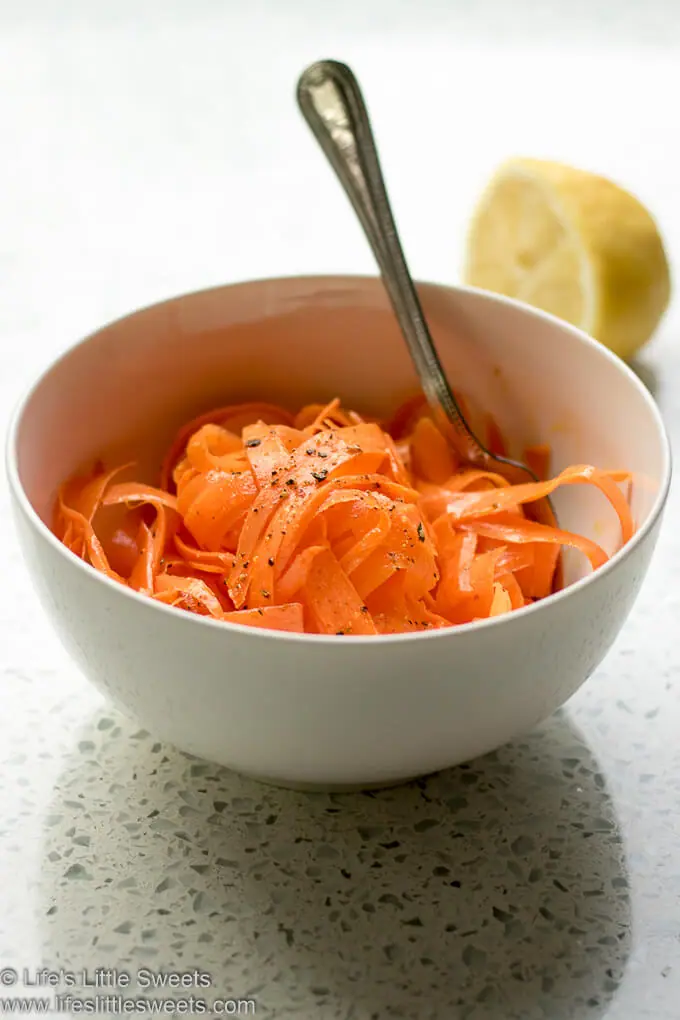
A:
(326, 523)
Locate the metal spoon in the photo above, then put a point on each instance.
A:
(332, 104)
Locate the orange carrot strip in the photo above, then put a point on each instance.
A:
(296, 576)
(123, 550)
(529, 531)
(188, 590)
(476, 603)
(142, 576)
(219, 562)
(395, 612)
(501, 602)
(431, 456)
(213, 503)
(511, 586)
(212, 448)
(132, 493)
(92, 494)
(470, 505)
(89, 543)
(332, 600)
(406, 417)
(436, 499)
(361, 549)
(289, 504)
(233, 418)
(289, 617)
(268, 449)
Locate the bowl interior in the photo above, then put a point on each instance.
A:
(124, 391)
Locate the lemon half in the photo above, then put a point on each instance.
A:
(573, 244)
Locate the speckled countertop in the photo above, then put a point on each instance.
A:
(150, 149)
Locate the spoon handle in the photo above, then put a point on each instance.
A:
(332, 104)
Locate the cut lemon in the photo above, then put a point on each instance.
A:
(573, 244)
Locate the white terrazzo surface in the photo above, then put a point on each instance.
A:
(152, 148)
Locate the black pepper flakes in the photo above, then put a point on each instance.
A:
(322, 454)
(421, 531)
(339, 632)
(364, 609)
(310, 453)
(250, 443)
(261, 612)
(291, 481)
(270, 561)
(265, 594)
(320, 476)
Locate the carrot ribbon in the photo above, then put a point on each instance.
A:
(325, 522)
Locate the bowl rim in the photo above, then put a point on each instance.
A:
(347, 640)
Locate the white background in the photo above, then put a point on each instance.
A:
(148, 148)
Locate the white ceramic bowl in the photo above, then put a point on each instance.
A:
(329, 711)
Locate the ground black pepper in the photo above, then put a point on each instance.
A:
(320, 476)
(250, 443)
